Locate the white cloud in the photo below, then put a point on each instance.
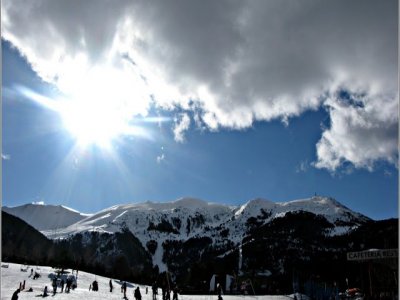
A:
(182, 124)
(360, 133)
(5, 156)
(303, 166)
(233, 62)
(160, 158)
(387, 173)
(38, 202)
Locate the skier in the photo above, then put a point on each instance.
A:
(15, 295)
(111, 286)
(137, 294)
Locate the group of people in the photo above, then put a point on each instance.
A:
(22, 284)
(94, 286)
(68, 283)
(18, 290)
(136, 293)
(165, 292)
(34, 276)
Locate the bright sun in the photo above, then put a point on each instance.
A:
(93, 122)
(101, 104)
(101, 107)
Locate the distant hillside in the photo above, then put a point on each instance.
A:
(21, 242)
(46, 217)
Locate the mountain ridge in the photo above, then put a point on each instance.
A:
(58, 217)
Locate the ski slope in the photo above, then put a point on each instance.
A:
(12, 276)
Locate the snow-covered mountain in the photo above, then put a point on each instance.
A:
(192, 239)
(186, 217)
(183, 219)
(46, 217)
(189, 217)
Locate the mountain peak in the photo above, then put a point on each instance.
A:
(45, 216)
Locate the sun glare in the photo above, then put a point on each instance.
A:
(101, 104)
(93, 123)
(101, 107)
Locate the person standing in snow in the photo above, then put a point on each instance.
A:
(175, 293)
(95, 286)
(124, 289)
(15, 295)
(219, 290)
(45, 292)
(137, 294)
(54, 285)
(163, 291)
(154, 290)
(68, 287)
(62, 285)
(111, 286)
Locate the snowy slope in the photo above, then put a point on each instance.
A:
(12, 276)
(46, 217)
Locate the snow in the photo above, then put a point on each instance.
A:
(158, 255)
(45, 217)
(73, 210)
(12, 276)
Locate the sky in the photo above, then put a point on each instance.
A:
(109, 103)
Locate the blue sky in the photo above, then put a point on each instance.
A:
(228, 137)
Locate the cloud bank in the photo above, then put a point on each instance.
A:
(230, 62)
